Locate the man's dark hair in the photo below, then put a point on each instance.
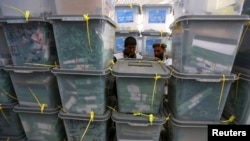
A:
(162, 45)
(129, 41)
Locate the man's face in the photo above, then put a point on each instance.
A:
(159, 52)
(130, 49)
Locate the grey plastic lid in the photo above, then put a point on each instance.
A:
(139, 68)
(157, 6)
(8, 105)
(79, 18)
(243, 76)
(135, 32)
(86, 117)
(130, 118)
(35, 110)
(151, 33)
(235, 18)
(26, 69)
(10, 20)
(202, 77)
(242, 70)
(134, 5)
(80, 72)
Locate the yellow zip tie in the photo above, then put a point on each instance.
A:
(243, 35)
(112, 62)
(131, 6)
(151, 119)
(168, 117)
(161, 33)
(150, 116)
(86, 17)
(110, 68)
(113, 109)
(42, 106)
(237, 87)
(222, 89)
(5, 117)
(161, 62)
(132, 29)
(90, 120)
(153, 94)
(230, 120)
(25, 13)
(6, 93)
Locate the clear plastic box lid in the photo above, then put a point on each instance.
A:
(21, 20)
(129, 6)
(157, 5)
(202, 77)
(140, 68)
(86, 117)
(8, 105)
(80, 72)
(27, 69)
(81, 18)
(35, 110)
(118, 117)
(213, 18)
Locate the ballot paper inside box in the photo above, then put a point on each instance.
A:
(213, 54)
(82, 91)
(10, 121)
(41, 125)
(34, 86)
(84, 44)
(30, 43)
(7, 93)
(76, 124)
(198, 97)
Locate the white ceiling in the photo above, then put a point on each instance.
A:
(141, 2)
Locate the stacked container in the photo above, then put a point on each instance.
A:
(140, 88)
(126, 16)
(157, 17)
(203, 53)
(237, 104)
(84, 34)
(30, 41)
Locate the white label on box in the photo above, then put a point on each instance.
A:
(227, 49)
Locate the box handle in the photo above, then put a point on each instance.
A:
(140, 64)
(138, 124)
(23, 71)
(208, 80)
